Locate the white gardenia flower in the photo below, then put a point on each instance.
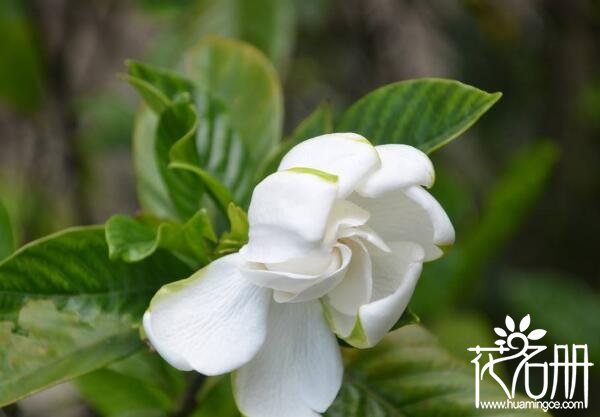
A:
(336, 244)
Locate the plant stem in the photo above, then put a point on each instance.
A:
(189, 400)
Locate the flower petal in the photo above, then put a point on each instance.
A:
(410, 214)
(401, 166)
(395, 276)
(355, 289)
(288, 215)
(347, 155)
(344, 214)
(298, 372)
(367, 234)
(213, 322)
(294, 287)
(324, 285)
(315, 262)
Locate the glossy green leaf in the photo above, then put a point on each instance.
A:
(409, 374)
(177, 125)
(246, 82)
(426, 113)
(132, 239)
(66, 309)
(143, 384)
(454, 277)
(564, 306)
(7, 239)
(319, 122)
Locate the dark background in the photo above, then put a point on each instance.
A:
(522, 187)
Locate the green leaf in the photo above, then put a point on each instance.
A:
(158, 87)
(319, 122)
(455, 276)
(267, 24)
(7, 240)
(176, 129)
(151, 190)
(142, 383)
(408, 374)
(152, 96)
(246, 82)
(425, 113)
(563, 305)
(237, 121)
(132, 239)
(66, 309)
(221, 150)
(219, 193)
(408, 317)
(237, 236)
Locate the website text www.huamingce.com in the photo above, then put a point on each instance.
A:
(531, 404)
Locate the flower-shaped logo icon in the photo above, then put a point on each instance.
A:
(511, 332)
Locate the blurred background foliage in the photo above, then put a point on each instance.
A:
(522, 187)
